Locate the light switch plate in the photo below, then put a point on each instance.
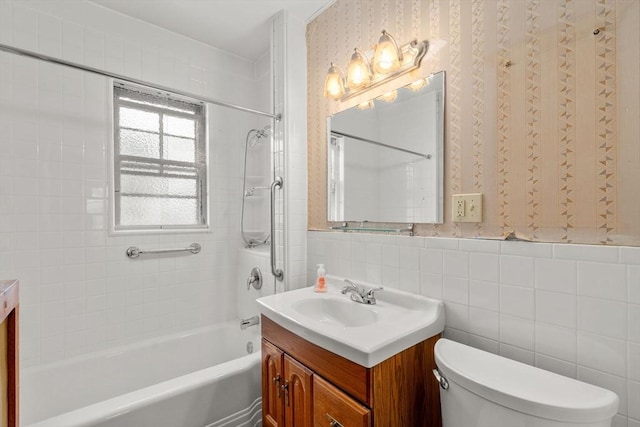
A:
(467, 207)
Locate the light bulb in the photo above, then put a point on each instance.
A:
(358, 71)
(387, 56)
(334, 83)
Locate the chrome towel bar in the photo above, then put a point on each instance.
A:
(135, 252)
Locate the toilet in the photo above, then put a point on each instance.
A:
(480, 389)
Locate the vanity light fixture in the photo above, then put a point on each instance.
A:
(334, 83)
(389, 62)
(358, 71)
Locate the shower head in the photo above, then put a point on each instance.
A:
(265, 132)
(259, 135)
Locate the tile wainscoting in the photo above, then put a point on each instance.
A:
(570, 309)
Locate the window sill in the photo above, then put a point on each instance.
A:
(159, 231)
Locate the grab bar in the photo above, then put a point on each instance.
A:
(135, 252)
(276, 184)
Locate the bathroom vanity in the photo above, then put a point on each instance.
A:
(306, 385)
(330, 361)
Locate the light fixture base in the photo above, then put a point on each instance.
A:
(412, 54)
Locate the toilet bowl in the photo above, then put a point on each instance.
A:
(480, 389)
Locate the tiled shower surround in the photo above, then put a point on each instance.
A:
(79, 292)
(571, 309)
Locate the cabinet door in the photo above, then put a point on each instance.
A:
(298, 394)
(334, 408)
(272, 379)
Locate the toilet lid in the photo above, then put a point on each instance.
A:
(523, 387)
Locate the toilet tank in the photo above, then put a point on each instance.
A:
(486, 390)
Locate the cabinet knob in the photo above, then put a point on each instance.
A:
(333, 422)
(276, 381)
(285, 390)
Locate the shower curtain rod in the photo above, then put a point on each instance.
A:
(47, 58)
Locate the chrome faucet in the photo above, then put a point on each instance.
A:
(356, 293)
(362, 296)
(370, 297)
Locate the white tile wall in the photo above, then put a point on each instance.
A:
(571, 309)
(79, 292)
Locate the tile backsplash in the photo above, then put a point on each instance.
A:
(571, 309)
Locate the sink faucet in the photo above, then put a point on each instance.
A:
(356, 294)
(369, 296)
(362, 296)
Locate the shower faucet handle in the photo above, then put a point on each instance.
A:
(255, 279)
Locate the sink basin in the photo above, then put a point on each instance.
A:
(335, 311)
(364, 334)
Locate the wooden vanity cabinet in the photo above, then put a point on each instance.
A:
(304, 385)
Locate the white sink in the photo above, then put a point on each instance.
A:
(364, 334)
(334, 311)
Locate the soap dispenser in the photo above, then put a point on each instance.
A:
(321, 283)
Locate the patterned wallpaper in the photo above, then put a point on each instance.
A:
(542, 112)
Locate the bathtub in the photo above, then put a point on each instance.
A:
(205, 377)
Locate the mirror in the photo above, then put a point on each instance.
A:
(385, 163)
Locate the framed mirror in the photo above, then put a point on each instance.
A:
(385, 162)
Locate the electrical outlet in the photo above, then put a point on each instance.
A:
(467, 207)
(459, 207)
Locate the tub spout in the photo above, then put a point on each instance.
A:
(245, 323)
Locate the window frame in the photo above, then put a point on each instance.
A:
(172, 103)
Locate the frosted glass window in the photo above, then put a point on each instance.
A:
(179, 127)
(180, 149)
(158, 186)
(131, 118)
(138, 143)
(160, 165)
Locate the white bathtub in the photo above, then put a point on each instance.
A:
(201, 378)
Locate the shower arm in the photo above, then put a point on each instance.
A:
(275, 185)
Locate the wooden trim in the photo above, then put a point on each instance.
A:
(9, 309)
(13, 367)
(8, 297)
(349, 376)
(4, 376)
